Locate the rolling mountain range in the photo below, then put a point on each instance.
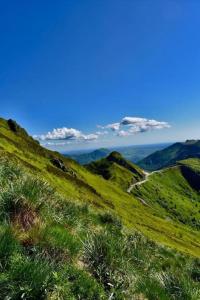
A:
(132, 153)
(85, 158)
(74, 180)
(69, 231)
(170, 155)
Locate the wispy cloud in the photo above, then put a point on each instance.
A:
(133, 125)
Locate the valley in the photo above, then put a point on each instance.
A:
(58, 217)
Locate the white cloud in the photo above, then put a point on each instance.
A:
(126, 127)
(144, 123)
(133, 125)
(123, 133)
(104, 132)
(113, 126)
(65, 133)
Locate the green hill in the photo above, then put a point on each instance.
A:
(117, 169)
(66, 233)
(52, 248)
(170, 155)
(174, 192)
(78, 184)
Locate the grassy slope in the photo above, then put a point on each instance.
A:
(90, 188)
(171, 195)
(192, 163)
(171, 155)
(116, 169)
(51, 248)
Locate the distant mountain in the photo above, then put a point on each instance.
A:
(132, 153)
(66, 233)
(116, 169)
(170, 155)
(85, 158)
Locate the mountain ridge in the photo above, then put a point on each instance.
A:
(170, 155)
(131, 153)
(116, 169)
(78, 184)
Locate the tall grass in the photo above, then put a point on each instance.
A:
(52, 248)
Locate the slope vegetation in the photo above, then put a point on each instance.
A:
(116, 169)
(174, 192)
(170, 155)
(54, 249)
(77, 184)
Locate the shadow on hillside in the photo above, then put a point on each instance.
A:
(192, 177)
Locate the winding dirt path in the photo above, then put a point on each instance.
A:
(146, 178)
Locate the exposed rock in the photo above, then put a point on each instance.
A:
(60, 165)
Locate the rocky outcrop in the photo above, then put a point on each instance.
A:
(60, 165)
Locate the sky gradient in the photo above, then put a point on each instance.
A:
(79, 64)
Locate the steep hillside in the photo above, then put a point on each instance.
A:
(75, 183)
(174, 192)
(170, 155)
(116, 169)
(55, 249)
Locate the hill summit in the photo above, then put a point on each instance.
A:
(116, 169)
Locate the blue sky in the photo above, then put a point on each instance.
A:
(79, 64)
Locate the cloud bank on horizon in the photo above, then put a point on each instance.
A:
(128, 126)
